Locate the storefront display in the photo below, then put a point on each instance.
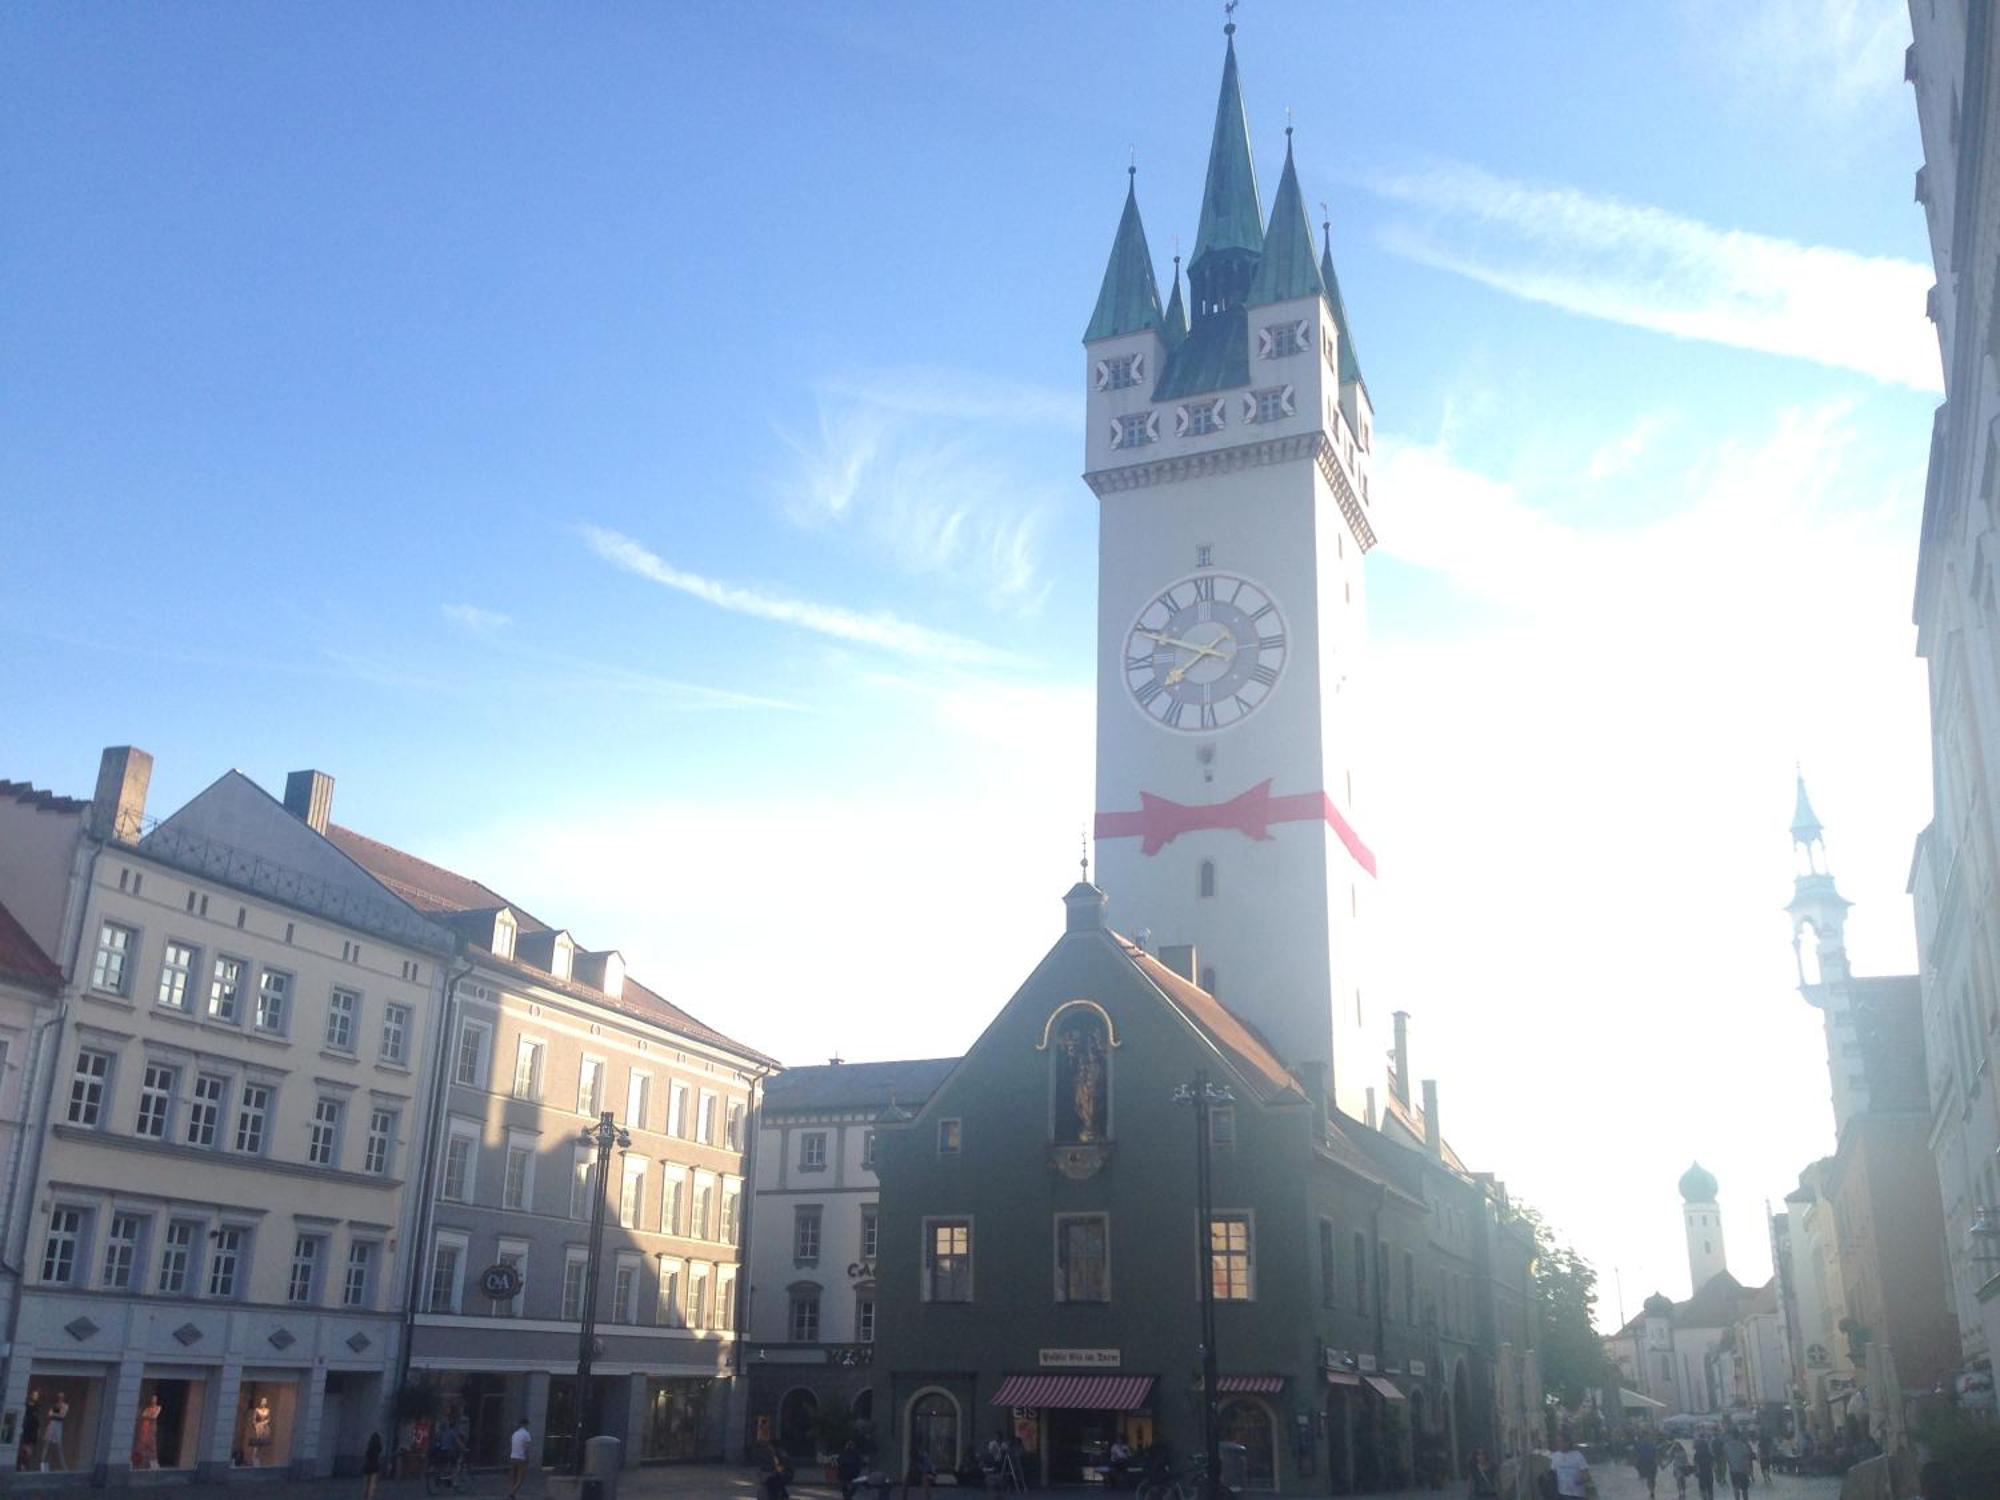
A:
(265, 1411)
(59, 1422)
(166, 1434)
(677, 1420)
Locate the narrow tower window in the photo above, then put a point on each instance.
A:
(1206, 878)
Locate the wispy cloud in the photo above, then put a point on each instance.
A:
(1650, 268)
(476, 620)
(1622, 451)
(882, 630)
(1829, 59)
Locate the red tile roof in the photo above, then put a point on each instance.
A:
(434, 889)
(22, 960)
(1237, 1040)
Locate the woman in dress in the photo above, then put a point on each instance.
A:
(146, 1437)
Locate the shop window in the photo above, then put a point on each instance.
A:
(264, 1418)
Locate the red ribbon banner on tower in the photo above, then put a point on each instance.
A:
(1159, 821)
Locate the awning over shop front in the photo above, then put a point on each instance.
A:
(1633, 1400)
(1386, 1389)
(1342, 1377)
(1075, 1392)
(1260, 1385)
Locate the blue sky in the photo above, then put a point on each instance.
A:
(635, 452)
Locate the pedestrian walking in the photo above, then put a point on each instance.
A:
(1681, 1465)
(1483, 1480)
(848, 1468)
(31, 1432)
(777, 1473)
(1767, 1451)
(922, 1472)
(371, 1466)
(1571, 1469)
(517, 1458)
(1646, 1459)
(1704, 1466)
(1738, 1455)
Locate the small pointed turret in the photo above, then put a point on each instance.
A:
(1128, 301)
(1287, 269)
(1805, 823)
(1350, 366)
(1231, 217)
(1176, 326)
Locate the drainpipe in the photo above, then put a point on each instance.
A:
(433, 1127)
(752, 1123)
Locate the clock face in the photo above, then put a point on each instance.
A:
(1205, 652)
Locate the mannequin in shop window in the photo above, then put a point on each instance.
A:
(258, 1438)
(146, 1436)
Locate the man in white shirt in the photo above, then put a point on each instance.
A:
(517, 1458)
(1572, 1470)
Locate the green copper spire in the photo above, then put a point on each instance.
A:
(1129, 299)
(1805, 822)
(1287, 269)
(1175, 328)
(1230, 217)
(1350, 367)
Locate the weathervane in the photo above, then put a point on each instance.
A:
(1229, 14)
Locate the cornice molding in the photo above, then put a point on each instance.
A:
(1316, 446)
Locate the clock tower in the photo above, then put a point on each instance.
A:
(1228, 443)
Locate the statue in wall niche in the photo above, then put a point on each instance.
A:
(1082, 1065)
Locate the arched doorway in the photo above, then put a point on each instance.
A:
(1249, 1422)
(1468, 1435)
(933, 1428)
(798, 1417)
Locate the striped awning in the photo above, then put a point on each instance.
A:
(1388, 1390)
(1075, 1392)
(1261, 1385)
(1342, 1377)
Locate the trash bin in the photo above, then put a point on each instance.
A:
(601, 1463)
(1234, 1466)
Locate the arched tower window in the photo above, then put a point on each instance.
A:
(1205, 880)
(1080, 1077)
(1805, 941)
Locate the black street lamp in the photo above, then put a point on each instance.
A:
(1204, 1096)
(604, 1135)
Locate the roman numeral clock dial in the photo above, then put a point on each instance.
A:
(1205, 652)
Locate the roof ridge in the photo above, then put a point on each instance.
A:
(42, 797)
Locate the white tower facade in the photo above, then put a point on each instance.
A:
(1819, 943)
(1703, 1221)
(1229, 452)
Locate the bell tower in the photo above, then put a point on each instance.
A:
(1819, 946)
(1228, 443)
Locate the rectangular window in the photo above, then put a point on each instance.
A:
(951, 1136)
(670, 1313)
(673, 1203)
(864, 1320)
(579, 1183)
(468, 1065)
(725, 1300)
(355, 1287)
(225, 990)
(1121, 372)
(514, 1185)
(677, 1109)
(512, 1253)
(698, 1307)
(274, 1001)
(205, 1109)
(1268, 405)
(121, 1251)
(1222, 1125)
(447, 1259)
(177, 1257)
(572, 1286)
(638, 1099)
(735, 1126)
(812, 1151)
(1360, 1274)
(868, 1151)
(323, 1139)
(704, 1208)
(381, 1141)
(947, 1260)
(456, 1184)
(1201, 420)
(705, 1120)
(177, 968)
(156, 1101)
(871, 1221)
(732, 1210)
(86, 1087)
(396, 1034)
(1083, 1263)
(805, 1316)
(1136, 429)
(805, 1234)
(625, 1291)
(343, 1011)
(225, 1262)
(632, 1192)
(1281, 339)
(304, 1284)
(1328, 1271)
(590, 1087)
(1229, 1257)
(528, 1070)
(110, 967)
(63, 1246)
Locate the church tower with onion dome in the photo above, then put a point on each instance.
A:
(1228, 442)
(1703, 1221)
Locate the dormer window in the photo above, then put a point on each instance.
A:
(562, 955)
(504, 930)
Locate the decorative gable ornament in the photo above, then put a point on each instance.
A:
(1100, 375)
(1138, 367)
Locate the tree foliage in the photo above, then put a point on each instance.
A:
(1565, 1295)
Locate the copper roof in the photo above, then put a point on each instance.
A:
(434, 889)
(21, 958)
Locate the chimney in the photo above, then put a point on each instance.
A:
(1433, 1132)
(1368, 1117)
(1399, 1077)
(309, 798)
(1181, 958)
(123, 773)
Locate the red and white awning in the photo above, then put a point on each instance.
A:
(1260, 1385)
(1075, 1392)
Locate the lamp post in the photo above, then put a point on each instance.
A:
(1204, 1096)
(604, 1135)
